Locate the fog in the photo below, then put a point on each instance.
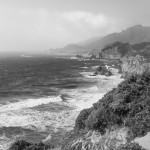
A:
(36, 26)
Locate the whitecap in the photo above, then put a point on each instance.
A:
(29, 103)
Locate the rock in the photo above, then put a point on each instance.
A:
(134, 65)
(87, 56)
(93, 140)
(102, 70)
(116, 50)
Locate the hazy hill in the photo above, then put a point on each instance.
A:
(71, 49)
(133, 35)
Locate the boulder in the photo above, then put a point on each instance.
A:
(134, 65)
(102, 70)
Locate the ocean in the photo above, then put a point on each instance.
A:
(40, 97)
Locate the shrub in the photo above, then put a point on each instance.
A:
(80, 121)
(127, 105)
(20, 145)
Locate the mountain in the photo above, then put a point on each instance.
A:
(71, 49)
(132, 35)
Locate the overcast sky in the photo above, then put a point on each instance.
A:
(37, 25)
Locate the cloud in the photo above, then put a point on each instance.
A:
(86, 19)
(40, 28)
(90, 24)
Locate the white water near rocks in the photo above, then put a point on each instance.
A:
(21, 114)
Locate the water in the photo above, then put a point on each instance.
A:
(40, 97)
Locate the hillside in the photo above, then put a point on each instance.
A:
(113, 123)
(134, 59)
(116, 50)
(133, 35)
(134, 65)
(71, 49)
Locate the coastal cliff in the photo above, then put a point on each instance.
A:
(120, 50)
(134, 65)
(134, 59)
(116, 50)
(122, 115)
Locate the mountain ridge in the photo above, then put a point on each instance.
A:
(132, 35)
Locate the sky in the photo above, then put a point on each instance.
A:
(38, 25)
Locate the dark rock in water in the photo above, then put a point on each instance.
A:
(23, 145)
(122, 115)
(87, 56)
(102, 70)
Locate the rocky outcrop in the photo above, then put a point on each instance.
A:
(93, 140)
(116, 50)
(102, 70)
(134, 65)
(87, 56)
(120, 50)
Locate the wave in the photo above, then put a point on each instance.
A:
(84, 67)
(29, 103)
(83, 98)
(26, 56)
(22, 114)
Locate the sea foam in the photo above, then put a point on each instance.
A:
(22, 115)
(29, 103)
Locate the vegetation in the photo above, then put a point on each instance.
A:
(122, 48)
(127, 105)
(80, 124)
(23, 145)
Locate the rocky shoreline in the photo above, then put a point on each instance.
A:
(115, 121)
(104, 84)
(121, 117)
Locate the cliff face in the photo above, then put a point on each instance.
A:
(113, 123)
(120, 50)
(134, 65)
(134, 58)
(116, 50)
